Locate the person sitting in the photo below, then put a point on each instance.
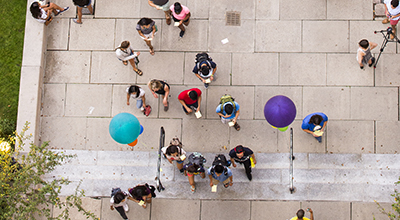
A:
(44, 13)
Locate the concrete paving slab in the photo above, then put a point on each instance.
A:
(126, 30)
(93, 34)
(67, 67)
(310, 176)
(365, 210)
(343, 70)
(93, 205)
(351, 137)
(120, 9)
(264, 93)
(243, 42)
(198, 10)
(98, 137)
(333, 101)
(302, 69)
(77, 173)
(222, 75)
(255, 69)
(365, 30)
(255, 134)
(281, 190)
(378, 177)
(195, 38)
(387, 142)
(194, 131)
(243, 96)
(161, 66)
(88, 100)
(246, 9)
(119, 102)
(53, 100)
(106, 68)
(175, 107)
(335, 161)
(347, 11)
(135, 211)
(169, 209)
(323, 210)
(213, 208)
(337, 192)
(325, 36)
(123, 158)
(147, 140)
(41, 207)
(64, 132)
(272, 36)
(274, 210)
(268, 9)
(83, 157)
(71, 13)
(57, 36)
(296, 10)
(377, 103)
(387, 70)
(381, 161)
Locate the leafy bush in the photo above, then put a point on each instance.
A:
(395, 215)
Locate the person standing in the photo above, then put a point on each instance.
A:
(300, 215)
(147, 28)
(181, 15)
(220, 173)
(80, 4)
(162, 5)
(243, 155)
(190, 170)
(315, 124)
(204, 68)
(125, 53)
(190, 98)
(136, 93)
(118, 201)
(142, 194)
(174, 152)
(364, 55)
(229, 111)
(162, 88)
(392, 11)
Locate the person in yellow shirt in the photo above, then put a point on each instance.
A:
(300, 215)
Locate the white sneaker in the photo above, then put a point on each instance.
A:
(126, 207)
(141, 109)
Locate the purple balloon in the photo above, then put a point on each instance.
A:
(280, 111)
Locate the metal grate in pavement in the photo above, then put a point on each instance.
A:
(232, 18)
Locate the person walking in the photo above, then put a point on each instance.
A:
(190, 170)
(162, 5)
(204, 68)
(162, 88)
(243, 155)
(147, 28)
(300, 215)
(125, 53)
(142, 194)
(229, 111)
(80, 4)
(174, 152)
(181, 16)
(118, 201)
(137, 93)
(315, 124)
(364, 55)
(392, 12)
(189, 99)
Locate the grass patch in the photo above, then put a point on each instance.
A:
(12, 28)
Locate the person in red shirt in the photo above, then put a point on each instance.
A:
(190, 99)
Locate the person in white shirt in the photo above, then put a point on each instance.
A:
(44, 13)
(125, 53)
(136, 93)
(392, 11)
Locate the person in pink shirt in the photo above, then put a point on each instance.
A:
(181, 15)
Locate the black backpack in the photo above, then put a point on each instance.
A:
(115, 190)
(197, 158)
(200, 57)
(81, 3)
(220, 159)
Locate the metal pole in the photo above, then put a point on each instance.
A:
(291, 157)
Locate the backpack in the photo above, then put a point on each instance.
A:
(197, 158)
(115, 190)
(220, 159)
(81, 3)
(200, 57)
(227, 98)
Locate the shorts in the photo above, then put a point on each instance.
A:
(393, 22)
(148, 35)
(179, 161)
(90, 2)
(177, 20)
(139, 103)
(195, 105)
(215, 181)
(164, 7)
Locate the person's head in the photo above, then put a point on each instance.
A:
(364, 43)
(228, 108)
(155, 85)
(193, 95)
(239, 150)
(134, 89)
(394, 3)
(193, 168)
(35, 10)
(119, 197)
(138, 191)
(316, 119)
(300, 214)
(125, 44)
(219, 169)
(177, 7)
(145, 21)
(172, 150)
(204, 69)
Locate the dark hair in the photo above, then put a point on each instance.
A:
(193, 168)
(193, 95)
(145, 21)
(134, 89)
(364, 43)
(118, 197)
(35, 10)
(171, 149)
(228, 108)
(316, 119)
(205, 70)
(300, 214)
(139, 191)
(395, 3)
(177, 7)
(219, 168)
(239, 149)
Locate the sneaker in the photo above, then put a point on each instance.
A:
(249, 176)
(126, 207)
(192, 189)
(181, 34)
(166, 108)
(319, 139)
(181, 170)
(237, 126)
(206, 85)
(226, 185)
(372, 61)
(385, 21)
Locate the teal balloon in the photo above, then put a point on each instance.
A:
(141, 129)
(124, 128)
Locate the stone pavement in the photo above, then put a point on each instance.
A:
(305, 50)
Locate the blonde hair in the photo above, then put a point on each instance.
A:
(155, 84)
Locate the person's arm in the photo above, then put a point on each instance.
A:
(199, 103)
(141, 34)
(184, 19)
(386, 10)
(154, 5)
(127, 98)
(254, 158)
(154, 94)
(111, 207)
(189, 110)
(311, 214)
(372, 45)
(154, 31)
(231, 180)
(211, 182)
(166, 89)
(48, 20)
(360, 58)
(198, 76)
(144, 100)
(233, 162)
(184, 172)
(212, 75)
(322, 129)
(236, 116)
(135, 54)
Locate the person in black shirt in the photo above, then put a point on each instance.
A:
(242, 155)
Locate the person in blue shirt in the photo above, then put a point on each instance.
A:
(229, 112)
(218, 174)
(315, 124)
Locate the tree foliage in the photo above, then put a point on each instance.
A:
(24, 192)
(395, 213)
